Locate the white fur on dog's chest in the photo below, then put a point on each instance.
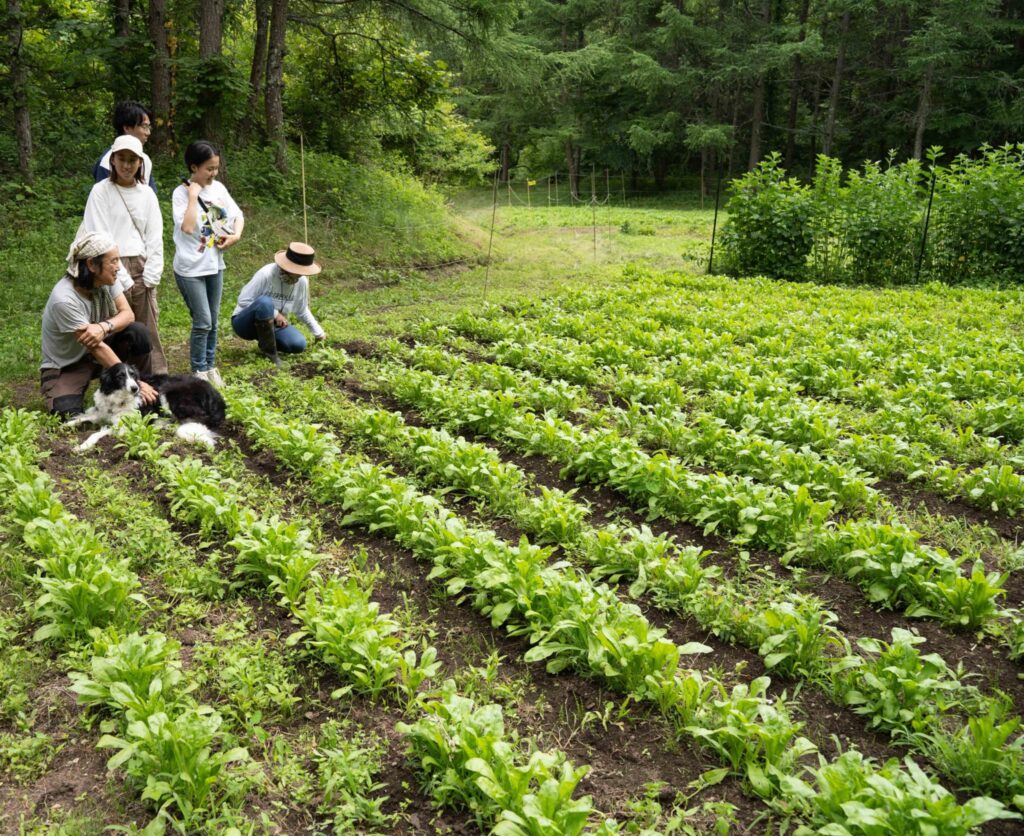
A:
(116, 404)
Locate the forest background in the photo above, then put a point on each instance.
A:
(446, 89)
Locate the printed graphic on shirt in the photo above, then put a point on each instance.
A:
(213, 226)
(282, 296)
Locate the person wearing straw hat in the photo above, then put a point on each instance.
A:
(276, 291)
(88, 326)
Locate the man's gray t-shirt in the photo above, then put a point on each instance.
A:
(67, 312)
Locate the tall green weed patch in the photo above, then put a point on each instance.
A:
(866, 226)
(769, 229)
(978, 218)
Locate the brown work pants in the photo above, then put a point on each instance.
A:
(64, 389)
(143, 303)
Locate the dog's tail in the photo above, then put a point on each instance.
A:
(196, 433)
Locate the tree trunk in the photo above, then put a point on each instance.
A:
(837, 78)
(18, 80)
(572, 163)
(506, 162)
(924, 106)
(274, 96)
(815, 107)
(735, 126)
(211, 31)
(757, 108)
(756, 120)
(703, 169)
(160, 89)
(258, 68)
(794, 91)
(121, 81)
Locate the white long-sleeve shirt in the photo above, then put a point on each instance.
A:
(288, 298)
(105, 211)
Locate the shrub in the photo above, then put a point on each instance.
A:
(768, 232)
(882, 216)
(978, 218)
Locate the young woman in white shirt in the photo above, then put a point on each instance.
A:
(207, 221)
(126, 209)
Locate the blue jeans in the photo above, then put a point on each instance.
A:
(289, 339)
(202, 297)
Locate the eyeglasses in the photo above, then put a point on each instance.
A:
(146, 126)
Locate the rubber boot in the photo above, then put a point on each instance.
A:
(266, 340)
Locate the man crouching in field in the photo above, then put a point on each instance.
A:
(88, 326)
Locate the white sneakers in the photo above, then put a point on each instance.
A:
(210, 376)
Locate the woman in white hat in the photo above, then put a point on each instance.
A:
(125, 208)
(88, 326)
(276, 291)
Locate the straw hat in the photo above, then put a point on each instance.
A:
(297, 259)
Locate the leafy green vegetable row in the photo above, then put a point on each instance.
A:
(170, 747)
(571, 622)
(927, 338)
(700, 440)
(902, 439)
(916, 698)
(525, 791)
(885, 560)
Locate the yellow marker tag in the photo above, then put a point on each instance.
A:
(531, 182)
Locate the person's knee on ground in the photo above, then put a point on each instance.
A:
(66, 406)
(64, 389)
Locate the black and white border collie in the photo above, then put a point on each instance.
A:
(195, 403)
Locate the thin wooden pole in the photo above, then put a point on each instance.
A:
(490, 238)
(302, 166)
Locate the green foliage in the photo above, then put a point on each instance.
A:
(20, 666)
(25, 756)
(348, 763)
(769, 229)
(986, 752)
(181, 762)
(469, 760)
(868, 230)
(379, 209)
(137, 675)
(860, 799)
(898, 688)
(977, 233)
(881, 223)
(257, 683)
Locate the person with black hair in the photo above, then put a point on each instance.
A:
(135, 119)
(207, 221)
(88, 326)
